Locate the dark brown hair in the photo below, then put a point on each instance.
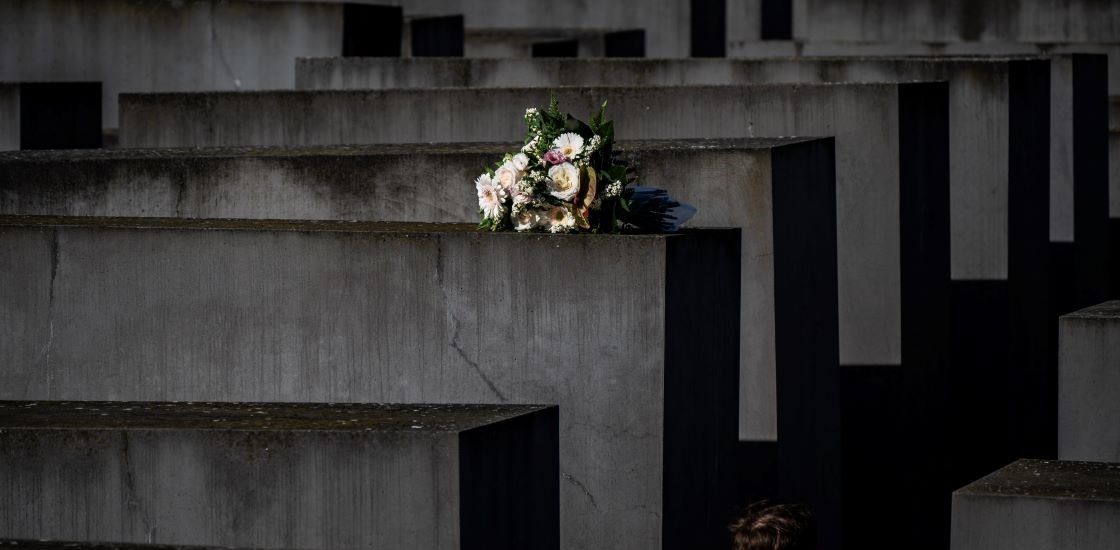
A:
(770, 525)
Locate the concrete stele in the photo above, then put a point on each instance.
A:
(156, 309)
(983, 106)
(287, 475)
(880, 143)
(731, 181)
(1089, 384)
(1040, 505)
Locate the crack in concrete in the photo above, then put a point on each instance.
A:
(572, 480)
(179, 197)
(473, 364)
(131, 499)
(221, 51)
(50, 319)
(646, 508)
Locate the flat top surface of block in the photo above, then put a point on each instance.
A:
(1104, 311)
(399, 228)
(1050, 479)
(204, 99)
(331, 417)
(17, 544)
(497, 149)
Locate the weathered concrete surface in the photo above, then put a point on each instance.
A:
(281, 475)
(1089, 384)
(872, 149)
(1040, 504)
(957, 21)
(730, 181)
(238, 310)
(128, 45)
(9, 117)
(980, 108)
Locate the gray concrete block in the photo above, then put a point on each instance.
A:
(1089, 384)
(149, 46)
(234, 310)
(980, 103)
(1040, 504)
(961, 21)
(281, 475)
(875, 150)
(731, 181)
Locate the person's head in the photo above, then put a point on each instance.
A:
(769, 525)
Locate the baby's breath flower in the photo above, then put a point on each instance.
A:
(614, 189)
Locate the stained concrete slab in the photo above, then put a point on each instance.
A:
(282, 475)
(1089, 384)
(881, 141)
(731, 181)
(1036, 504)
(161, 309)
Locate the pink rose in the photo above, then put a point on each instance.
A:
(555, 157)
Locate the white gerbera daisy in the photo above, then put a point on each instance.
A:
(491, 197)
(570, 144)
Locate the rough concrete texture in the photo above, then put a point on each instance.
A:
(980, 110)
(957, 20)
(1040, 504)
(9, 117)
(728, 180)
(277, 475)
(863, 117)
(127, 44)
(1089, 384)
(225, 310)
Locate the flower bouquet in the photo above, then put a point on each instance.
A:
(565, 180)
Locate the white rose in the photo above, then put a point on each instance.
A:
(563, 181)
(520, 162)
(507, 176)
